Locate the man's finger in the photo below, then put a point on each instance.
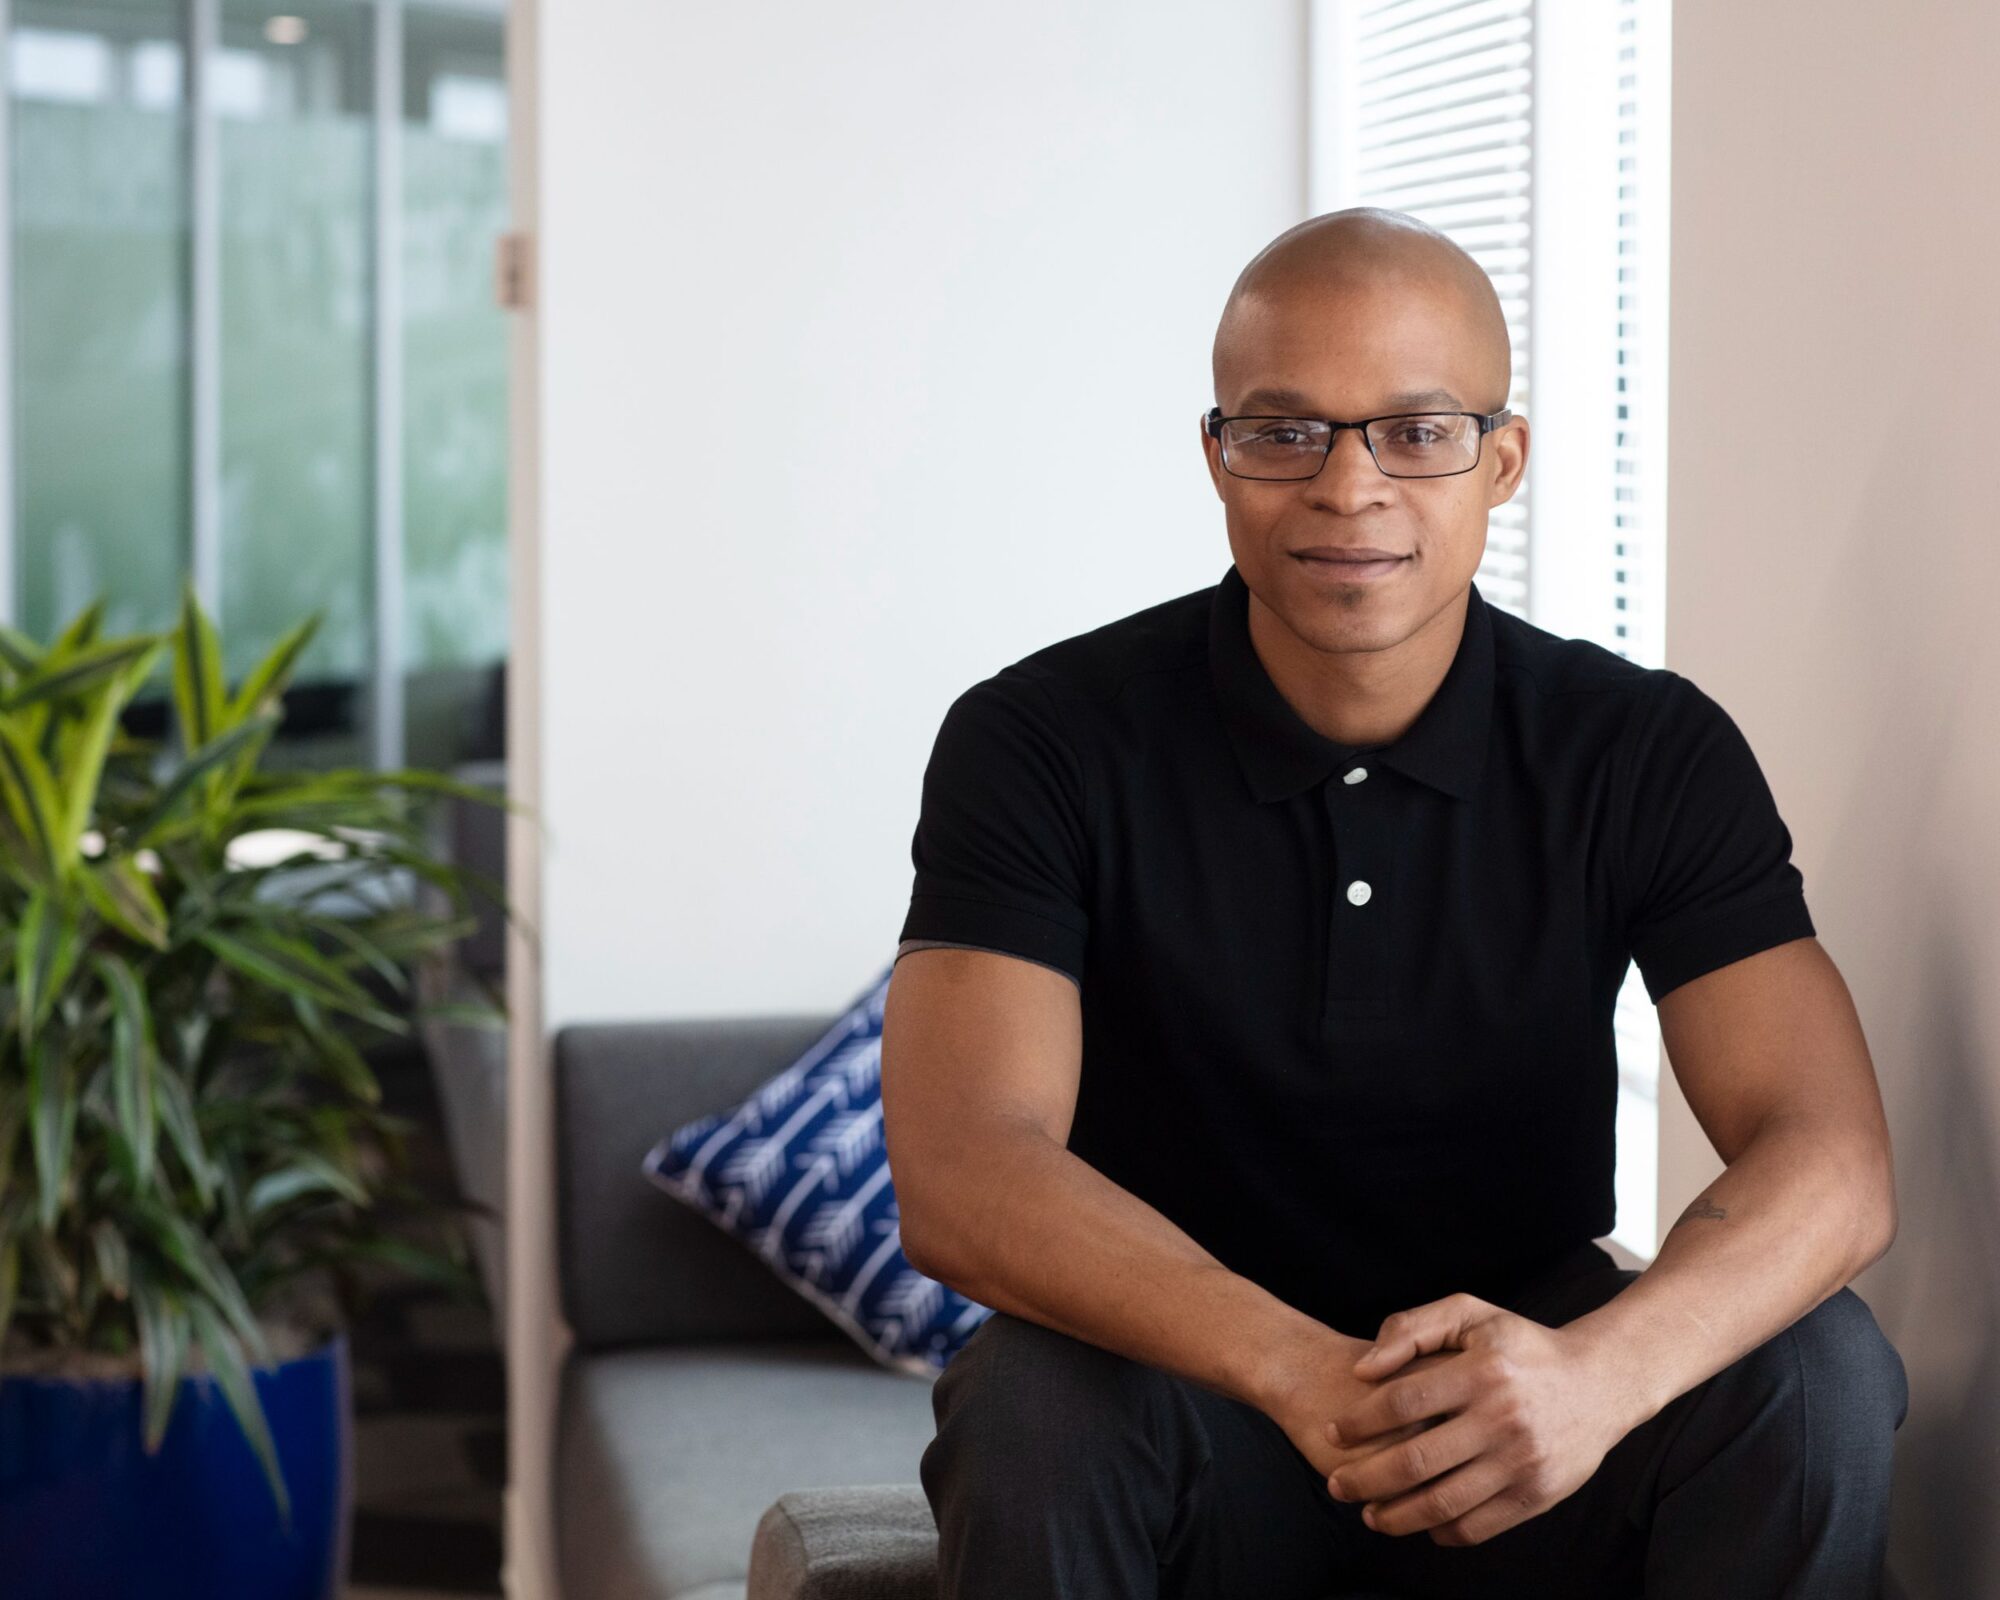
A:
(1410, 1466)
(1405, 1335)
(1348, 1455)
(1451, 1501)
(1432, 1392)
(1501, 1511)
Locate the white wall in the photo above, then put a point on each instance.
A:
(1834, 253)
(820, 285)
(816, 287)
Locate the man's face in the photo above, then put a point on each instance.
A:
(1365, 350)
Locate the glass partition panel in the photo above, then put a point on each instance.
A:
(100, 327)
(114, 210)
(455, 380)
(292, 97)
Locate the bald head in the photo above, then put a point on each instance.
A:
(1313, 272)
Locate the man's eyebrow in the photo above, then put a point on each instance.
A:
(1428, 397)
(1289, 401)
(1294, 403)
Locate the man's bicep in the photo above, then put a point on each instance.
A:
(978, 1046)
(1773, 1035)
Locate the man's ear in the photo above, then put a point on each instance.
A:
(1509, 444)
(1211, 451)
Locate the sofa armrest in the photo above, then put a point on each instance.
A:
(871, 1542)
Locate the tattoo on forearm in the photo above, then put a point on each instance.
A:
(1703, 1210)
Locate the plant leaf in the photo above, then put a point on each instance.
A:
(202, 761)
(365, 949)
(292, 966)
(47, 945)
(52, 1124)
(269, 678)
(84, 760)
(132, 1063)
(114, 1261)
(177, 1116)
(19, 653)
(225, 1361)
(21, 861)
(339, 1052)
(183, 1244)
(163, 1343)
(197, 673)
(307, 1174)
(263, 693)
(30, 792)
(72, 675)
(125, 897)
(82, 630)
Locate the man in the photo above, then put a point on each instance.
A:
(1250, 1051)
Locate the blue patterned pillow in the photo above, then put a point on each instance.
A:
(800, 1173)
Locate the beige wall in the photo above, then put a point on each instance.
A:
(1834, 249)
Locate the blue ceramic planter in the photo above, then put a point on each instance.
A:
(86, 1514)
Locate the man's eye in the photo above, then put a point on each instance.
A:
(1418, 434)
(1282, 433)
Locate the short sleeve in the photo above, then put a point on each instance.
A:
(1708, 860)
(999, 847)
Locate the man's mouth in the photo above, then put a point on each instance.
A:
(1361, 564)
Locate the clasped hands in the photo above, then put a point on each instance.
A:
(1463, 1418)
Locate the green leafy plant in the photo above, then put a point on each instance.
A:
(196, 953)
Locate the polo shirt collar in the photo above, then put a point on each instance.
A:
(1281, 754)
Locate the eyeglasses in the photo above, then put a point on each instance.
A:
(1420, 444)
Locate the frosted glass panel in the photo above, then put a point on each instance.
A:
(107, 223)
(296, 151)
(100, 332)
(455, 379)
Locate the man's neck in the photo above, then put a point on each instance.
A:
(1358, 697)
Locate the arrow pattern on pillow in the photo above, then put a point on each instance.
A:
(799, 1171)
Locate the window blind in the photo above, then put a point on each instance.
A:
(1440, 95)
(1636, 527)
(1432, 107)
(1634, 624)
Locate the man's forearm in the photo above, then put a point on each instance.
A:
(1031, 1229)
(1803, 1208)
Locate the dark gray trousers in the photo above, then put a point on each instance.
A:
(1060, 1469)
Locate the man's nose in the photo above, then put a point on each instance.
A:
(1349, 480)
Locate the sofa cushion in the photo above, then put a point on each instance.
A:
(799, 1171)
(637, 1269)
(668, 1457)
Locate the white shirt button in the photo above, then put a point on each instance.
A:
(1358, 893)
(1356, 775)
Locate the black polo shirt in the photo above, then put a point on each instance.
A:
(1347, 1013)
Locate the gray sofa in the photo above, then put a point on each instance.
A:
(719, 1438)
(700, 1389)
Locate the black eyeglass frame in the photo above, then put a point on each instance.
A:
(1487, 420)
